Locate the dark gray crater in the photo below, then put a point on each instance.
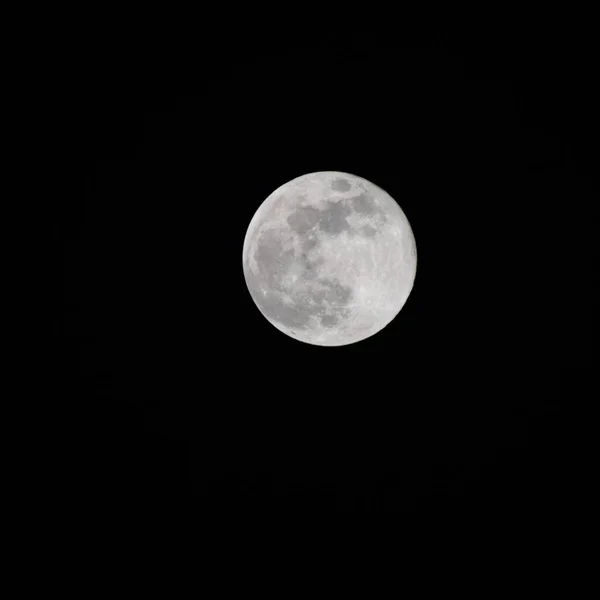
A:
(363, 204)
(303, 219)
(368, 231)
(340, 185)
(333, 220)
(329, 321)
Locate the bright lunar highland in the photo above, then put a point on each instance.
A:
(329, 258)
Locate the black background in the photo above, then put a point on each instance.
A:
(189, 399)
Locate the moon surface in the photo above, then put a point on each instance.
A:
(329, 258)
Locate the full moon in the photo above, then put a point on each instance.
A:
(329, 258)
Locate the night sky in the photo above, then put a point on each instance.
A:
(190, 399)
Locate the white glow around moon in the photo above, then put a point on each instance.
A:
(329, 258)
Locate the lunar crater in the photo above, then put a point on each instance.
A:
(340, 185)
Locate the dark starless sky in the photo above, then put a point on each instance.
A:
(199, 400)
